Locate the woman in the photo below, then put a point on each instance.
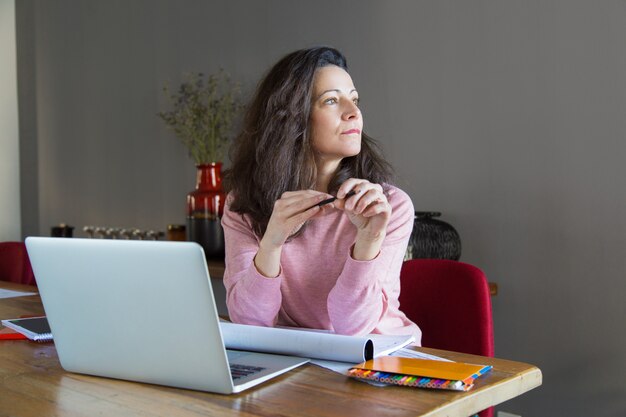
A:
(290, 260)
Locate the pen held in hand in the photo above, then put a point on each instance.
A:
(330, 200)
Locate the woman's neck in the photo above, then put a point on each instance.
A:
(325, 172)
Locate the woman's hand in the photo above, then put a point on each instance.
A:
(290, 212)
(369, 211)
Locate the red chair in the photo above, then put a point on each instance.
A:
(451, 304)
(14, 264)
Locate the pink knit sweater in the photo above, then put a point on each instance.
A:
(320, 286)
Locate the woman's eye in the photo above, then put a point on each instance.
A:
(331, 100)
(356, 101)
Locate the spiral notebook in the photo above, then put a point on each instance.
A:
(35, 328)
(420, 373)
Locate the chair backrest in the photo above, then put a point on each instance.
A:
(14, 264)
(451, 304)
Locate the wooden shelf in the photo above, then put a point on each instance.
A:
(216, 268)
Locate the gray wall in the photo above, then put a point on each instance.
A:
(10, 220)
(507, 116)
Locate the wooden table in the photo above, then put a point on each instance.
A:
(32, 383)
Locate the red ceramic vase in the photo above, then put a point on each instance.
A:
(205, 206)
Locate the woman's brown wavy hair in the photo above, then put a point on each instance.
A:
(273, 152)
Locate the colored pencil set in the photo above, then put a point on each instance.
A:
(409, 380)
(420, 373)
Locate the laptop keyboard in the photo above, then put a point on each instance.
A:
(240, 371)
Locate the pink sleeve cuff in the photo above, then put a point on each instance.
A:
(259, 283)
(358, 272)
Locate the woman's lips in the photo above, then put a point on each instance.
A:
(351, 131)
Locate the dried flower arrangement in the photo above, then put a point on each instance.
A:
(202, 114)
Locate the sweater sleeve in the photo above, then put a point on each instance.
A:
(251, 298)
(361, 295)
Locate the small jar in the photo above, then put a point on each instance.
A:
(62, 230)
(176, 232)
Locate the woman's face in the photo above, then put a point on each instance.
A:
(336, 122)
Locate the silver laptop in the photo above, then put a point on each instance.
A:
(141, 311)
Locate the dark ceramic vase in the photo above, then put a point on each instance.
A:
(433, 239)
(205, 206)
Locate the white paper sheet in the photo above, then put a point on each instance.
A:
(294, 342)
(410, 353)
(343, 367)
(384, 344)
(11, 293)
(305, 343)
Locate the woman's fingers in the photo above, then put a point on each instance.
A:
(290, 212)
(296, 222)
(297, 195)
(377, 208)
(371, 197)
(349, 185)
(306, 215)
(293, 204)
(365, 194)
(367, 207)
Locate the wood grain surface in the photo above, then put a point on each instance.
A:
(33, 384)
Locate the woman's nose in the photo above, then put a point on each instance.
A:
(351, 111)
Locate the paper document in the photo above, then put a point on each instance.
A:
(11, 293)
(342, 367)
(309, 344)
(384, 345)
(410, 353)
